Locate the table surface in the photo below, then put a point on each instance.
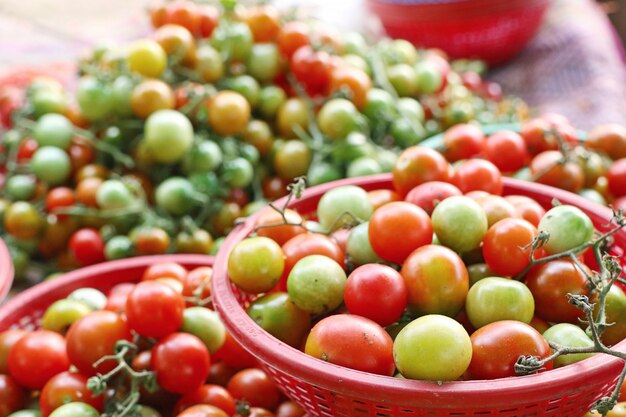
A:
(573, 66)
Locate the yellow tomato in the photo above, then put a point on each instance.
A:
(147, 58)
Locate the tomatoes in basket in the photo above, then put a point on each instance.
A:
(66, 387)
(507, 246)
(12, 397)
(255, 387)
(214, 395)
(154, 309)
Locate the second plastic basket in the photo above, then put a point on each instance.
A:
(327, 390)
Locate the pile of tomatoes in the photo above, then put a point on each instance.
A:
(548, 150)
(199, 369)
(166, 141)
(431, 280)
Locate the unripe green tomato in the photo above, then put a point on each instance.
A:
(355, 61)
(460, 223)
(26, 413)
(264, 62)
(322, 173)
(62, 314)
(54, 130)
(405, 51)
(402, 78)
(237, 173)
(337, 118)
(493, 299)
(428, 76)
(316, 284)
(51, 165)
(359, 248)
(233, 39)
(175, 195)
(92, 297)
(271, 98)
(206, 325)
(49, 101)
(206, 156)
(568, 335)
(121, 92)
(354, 43)
(20, 187)
(363, 166)
(354, 146)
(380, 105)
(567, 226)
(338, 206)
(94, 98)
(256, 264)
(118, 247)
(409, 107)
(479, 271)
(407, 132)
(247, 86)
(281, 318)
(75, 409)
(168, 135)
(113, 194)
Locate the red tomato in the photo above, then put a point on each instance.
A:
(436, 280)
(255, 387)
(12, 398)
(154, 309)
(118, 296)
(381, 197)
(478, 174)
(354, 342)
(234, 355)
(617, 178)
(399, 219)
(208, 394)
(417, 165)
(197, 278)
(307, 244)
(164, 270)
(183, 13)
(376, 285)
(8, 338)
(59, 197)
(264, 22)
(609, 139)
(312, 69)
(208, 19)
(292, 37)
(506, 246)
(220, 374)
(87, 246)
(181, 362)
(94, 336)
(271, 224)
(527, 208)
(202, 410)
(507, 150)
(37, 357)
(548, 168)
(26, 149)
(463, 141)
(431, 193)
(66, 387)
(497, 346)
(537, 136)
(290, 409)
(550, 283)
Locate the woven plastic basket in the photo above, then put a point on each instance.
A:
(25, 310)
(324, 389)
(7, 273)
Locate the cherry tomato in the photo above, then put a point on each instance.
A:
(356, 81)
(151, 241)
(497, 346)
(256, 264)
(537, 136)
(281, 318)
(183, 13)
(478, 174)
(198, 283)
(506, 246)
(493, 299)
(146, 57)
(293, 36)
(12, 398)
(459, 223)
(431, 193)
(293, 112)
(164, 270)
(527, 208)
(463, 141)
(417, 165)
(254, 386)
(379, 198)
(316, 284)
(118, 296)
(548, 168)
(208, 19)
(8, 338)
(81, 154)
(264, 22)
(177, 42)
(290, 409)
(67, 387)
(568, 227)
(59, 197)
(87, 246)
(207, 394)
(234, 355)
(507, 150)
(609, 139)
(22, 220)
(617, 178)
(154, 309)
(616, 314)
(270, 224)
(37, 357)
(228, 113)
(151, 95)
(312, 68)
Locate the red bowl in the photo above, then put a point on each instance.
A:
(7, 273)
(324, 389)
(492, 30)
(24, 311)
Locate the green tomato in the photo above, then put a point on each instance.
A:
(322, 173)
(314, 227)
(94, 98)
(404, 50)
(567, 226)
(479, 271)
(316, 284)
(11, 139)
(409, 107)
(364, 166)
(256, 264)
(615, 308)
(92, 297)
(355, 61)
(593, 195)
(121, 92)
(206, 156)
(26, 413)
(569, 335)
(51, 165)
(432, 348)
(20, 261)
(54, 130)
(494, 299)
(264, 62)
(206, 325)
(20, 187)
(49, 101)
(270, 100)
(523, 174)
(247, 86)
(175, 195)
(118, 247)
(380, 105)
(402, 78)
(237, 173)
(113, 136)
(62, 314)
(75, 410)
(113, 194)
(460, 223)
(354, 43)
(168, 136)
(249, 153)
(354, 146)
(281, 317)
(339, 206)
(386, 158)
(234, 40)
(428, 77)
(338, 117)
(359, 248)
(407, 132)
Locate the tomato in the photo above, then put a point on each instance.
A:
(264, 22)
(60, 315)
(334, 205)
(164, 269)
(281, 318)
(91, 297)
(497, 346)
(459, 223)
(355, 81)
(493, 299)
(550, 283)
(255, 387)
(570, 335)
(527, 208)
(26, 149)
(206, 325)
(316, 284)
(8, 338)
(429, 194)
(615, 313)
(292, 160)
(93, 337)
(478, 174)
(197, 282)
(506, 246)
(66, 387)
(549, 168)
(151, 241)
(292, 36)
(256, 264)
(147, 57)
(568, 228)
(463, 141)
(207, 394)
(417, 165)
(87, 246)
(337, 118)
(80, 155)
(609, 139)
(168, 136)
(376, 285)
(37, 357)
(402, 78)
(432, 348)
(75, 409)
(306, 244)
(53, 130)
(395, 219)
(228, 113)
(225, 218)
(291, 114)
(94, 98)
(290, 409)
(22, 220)
(154, 309)
(59, 197)
(12, 398)
(506, 150)
(177, 42)
(379, 198)
(537, 136)
(436, 280)
(151, 95)
(617, 178)
(234, 355)
(202, 410)
(50, 165)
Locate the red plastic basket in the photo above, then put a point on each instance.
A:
(492, 30)
(324, 389)
(7, 273)
(24, 311)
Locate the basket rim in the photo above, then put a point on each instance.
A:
(383, 388)
(43, 289)
(7, 270)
